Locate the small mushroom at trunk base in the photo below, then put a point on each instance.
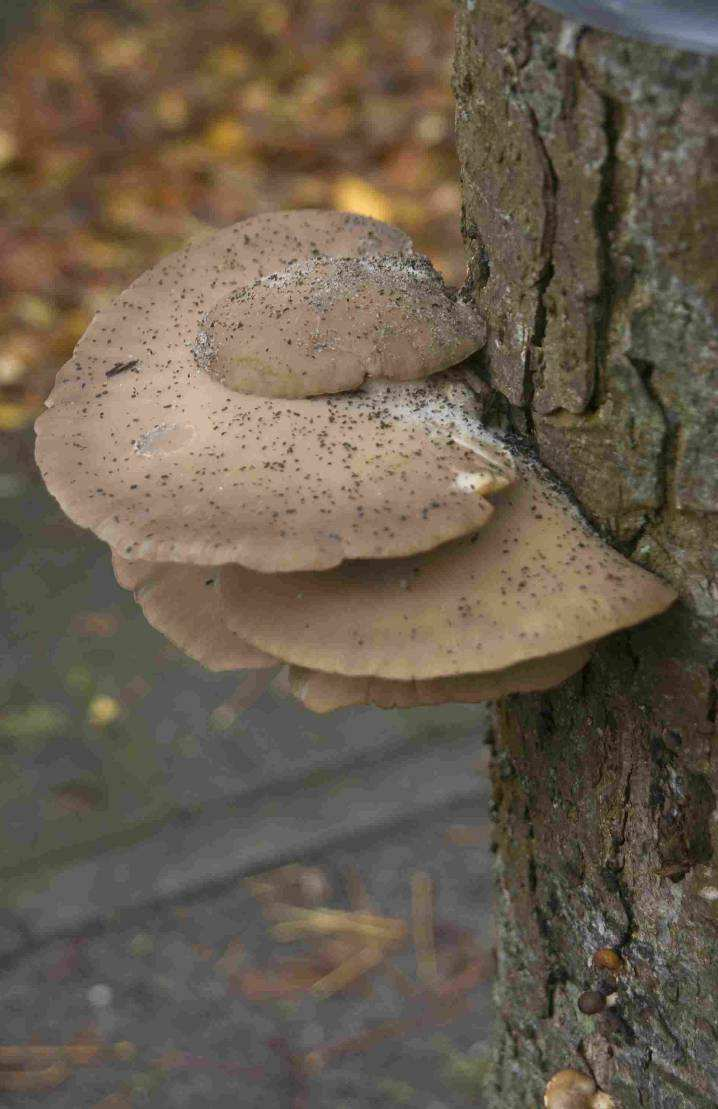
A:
(569, 1089)
(591, 1002)
(605, 958)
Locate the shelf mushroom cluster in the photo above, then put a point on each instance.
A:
(269, 430)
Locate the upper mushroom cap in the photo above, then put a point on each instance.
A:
(535, 581)
(274, 484)
(156, 320)
(184, 603)
(324, 325)
(326, 692)
(166, 463)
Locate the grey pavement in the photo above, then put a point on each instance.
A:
(136, 796)
(165, 991)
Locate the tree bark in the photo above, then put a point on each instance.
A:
(590, 178)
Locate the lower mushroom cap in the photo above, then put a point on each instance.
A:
(184, 603)
(535, 581)
(326, 692)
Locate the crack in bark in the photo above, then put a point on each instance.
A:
(605, 220)
(713, 696)
(548, 240)
(548, 237)
(666, 460)
(614, 867)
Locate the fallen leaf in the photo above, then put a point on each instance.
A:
(15, 415)
(352, 194)
(34, 1081)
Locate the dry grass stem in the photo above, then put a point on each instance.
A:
(325, 921)
(359, 898)
(349, 971)
(35, 1080)
(422, 913)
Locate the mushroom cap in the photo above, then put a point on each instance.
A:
(325, 325)
(535, 581)
(273, 484)
(569, 1089)
(326, 692)
(157, 318)
(184, 604)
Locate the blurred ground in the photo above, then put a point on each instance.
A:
(129, 126)
(197, 1004)
(137, 793)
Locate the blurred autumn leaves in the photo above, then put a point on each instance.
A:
(126, 128)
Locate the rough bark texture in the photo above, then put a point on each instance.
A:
(590, 174)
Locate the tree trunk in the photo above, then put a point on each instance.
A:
(590, 176)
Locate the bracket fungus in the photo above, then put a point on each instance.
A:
(270, 432)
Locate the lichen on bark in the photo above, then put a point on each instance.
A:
(590, 169)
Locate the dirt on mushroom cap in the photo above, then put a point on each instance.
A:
(326, 692)
(276, 485)
(535, 581)
(325, 325)
(156, 319)
(184, 604)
